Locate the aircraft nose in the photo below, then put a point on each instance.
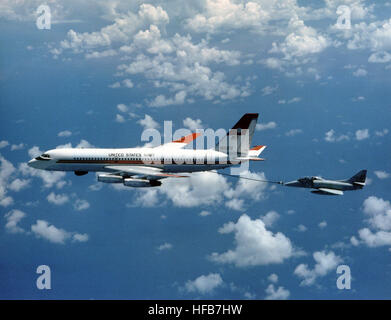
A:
(32, 163)
(37, 164)
(293, 184)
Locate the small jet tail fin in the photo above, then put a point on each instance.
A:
(359, 178)
(238, 140)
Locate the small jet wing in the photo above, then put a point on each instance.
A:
(328, 192)
(142, 172)
(180, 143)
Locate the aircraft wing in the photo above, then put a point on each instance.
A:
(328, 192)
(142, 172)
(180, 143)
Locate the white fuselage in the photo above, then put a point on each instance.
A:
(146, 166)
(93, 159)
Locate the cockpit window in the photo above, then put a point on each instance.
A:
(43, 156)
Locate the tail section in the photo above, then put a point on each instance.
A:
(238, 140)
(359, 178)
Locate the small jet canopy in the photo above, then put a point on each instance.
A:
(306, 181)
(309, 179)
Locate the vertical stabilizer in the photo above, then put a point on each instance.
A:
(359, 178)
(238, 140)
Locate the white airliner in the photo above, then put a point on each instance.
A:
(144, 167)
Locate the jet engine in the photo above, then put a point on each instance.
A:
(80, 173)
(110, 178)
(141, 183)
(128, 182)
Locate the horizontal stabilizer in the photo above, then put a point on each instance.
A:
(249, 159)
(328, 192)
(255, 151)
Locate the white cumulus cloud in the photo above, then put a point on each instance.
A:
(362, 134)
(269, 218)
(19, 184)
(165, 246)
(42, 229)
(192, 124)
(65, 133)
(276, 294)
(57, 199)
(13, 218)
(204, 284)
(254, 244)
(381, 174)
(330, 136)
(325, 262)
(266, 126)
(80, 205)
(148, 122)
(3, 144)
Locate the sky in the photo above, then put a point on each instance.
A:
(318, 74)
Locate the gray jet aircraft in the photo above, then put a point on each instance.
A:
(330, 187)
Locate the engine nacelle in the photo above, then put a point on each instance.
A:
(110, 178)
(80, 173)
(141, 183)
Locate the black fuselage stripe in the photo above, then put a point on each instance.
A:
(140, 162)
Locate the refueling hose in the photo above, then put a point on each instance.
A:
(240, 177)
